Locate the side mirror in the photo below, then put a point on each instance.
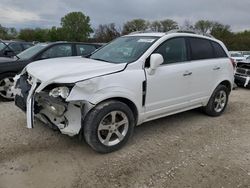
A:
(155, 61)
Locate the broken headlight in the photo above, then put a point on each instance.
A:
(60, 92)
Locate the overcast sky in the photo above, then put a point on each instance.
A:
(47, 13)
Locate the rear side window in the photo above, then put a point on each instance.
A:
(84, 49)
(26, 46)
(218, 50)
(16, 47)
(173, 50)
(201, 49)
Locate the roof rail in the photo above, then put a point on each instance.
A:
(189, 31)
(143, 31)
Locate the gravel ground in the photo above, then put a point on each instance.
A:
(185, 150)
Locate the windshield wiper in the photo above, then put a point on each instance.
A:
(9, 48)
(100, 59)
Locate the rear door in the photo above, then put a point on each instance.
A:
(205, 69)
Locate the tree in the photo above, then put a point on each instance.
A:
(156, 26)
(37, 34)
(219, 30)
(187, 25)
(27, 34)
(106, 33)
(168, 25)
(56, 34)
(204, 26)
(3, 32)
(76, 26)
(135, 25)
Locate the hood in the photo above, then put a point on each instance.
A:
(70, 69)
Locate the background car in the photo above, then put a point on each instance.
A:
(237, 56)
(11, 48)
(246, 54)
(242, 75)
(9, 67)
(247, 60)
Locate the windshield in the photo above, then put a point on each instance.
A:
(30, 52)
(2, 46)
(124, 49)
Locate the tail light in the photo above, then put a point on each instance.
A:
(233, 62)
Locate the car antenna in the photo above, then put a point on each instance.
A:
(9, 48)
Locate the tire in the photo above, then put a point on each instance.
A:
(108, 126)
(6, 82)
(217, 102)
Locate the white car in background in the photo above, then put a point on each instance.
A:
(246, 54)
(132, 80)
(247, 60)
(237, 57)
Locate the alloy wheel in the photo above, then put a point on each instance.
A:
(220, 101)
(113, 128)
(6, 90)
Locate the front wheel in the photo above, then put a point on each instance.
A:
(6, 84)
(218, 101)
(108, 126)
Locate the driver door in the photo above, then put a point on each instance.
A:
(168, 88)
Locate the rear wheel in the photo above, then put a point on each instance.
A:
(218, 101)
(6, 84)
(108, 126)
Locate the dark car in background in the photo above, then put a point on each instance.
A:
(11, 48)
(9, 67)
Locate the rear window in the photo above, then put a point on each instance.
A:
(84, 49)
(200, 49)
(218, 50)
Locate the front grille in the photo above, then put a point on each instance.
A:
(241, 71)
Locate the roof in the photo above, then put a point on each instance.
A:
(174, 33)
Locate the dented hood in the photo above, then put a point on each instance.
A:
(70, 69)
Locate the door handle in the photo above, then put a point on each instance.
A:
(187, 73)
(216, 68)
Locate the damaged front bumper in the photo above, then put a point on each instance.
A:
(55, 112)
(242, 80)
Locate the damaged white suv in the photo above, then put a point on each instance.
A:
(132, 80)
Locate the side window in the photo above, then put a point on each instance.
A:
(201, 49)
(26, 46)
(173, 50)
(17, 48)
(218, 50)
(84, 49)
(62, 50)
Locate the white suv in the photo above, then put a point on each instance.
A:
(132, 80)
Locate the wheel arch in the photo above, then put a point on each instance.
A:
(128, 102)
(227, 84)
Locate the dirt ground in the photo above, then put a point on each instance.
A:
(185, 150)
